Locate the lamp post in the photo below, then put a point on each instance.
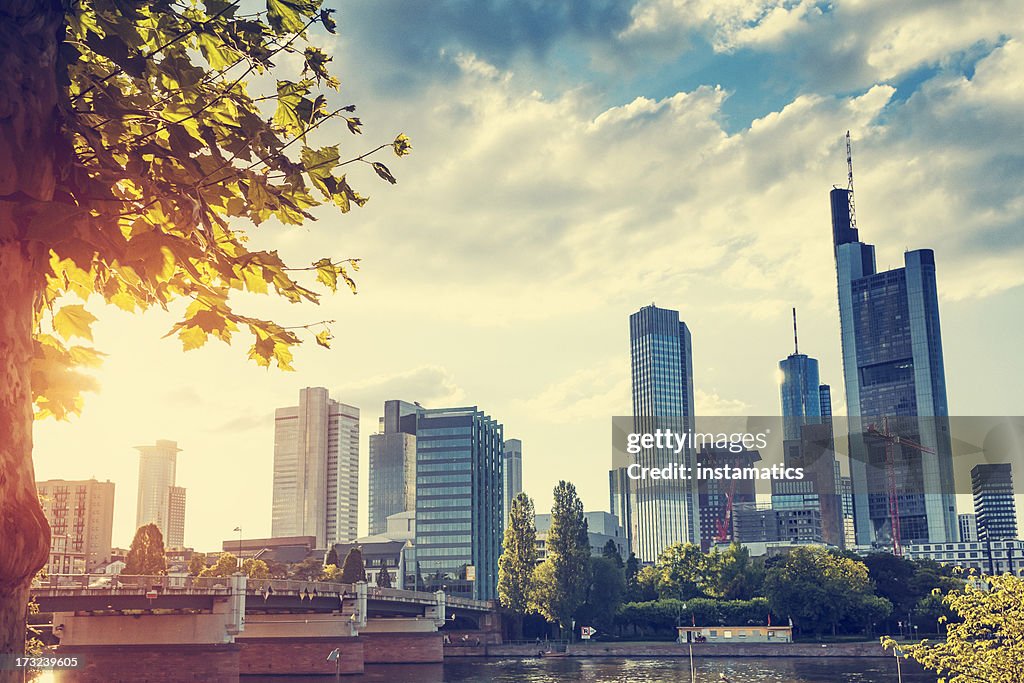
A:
(689, 644)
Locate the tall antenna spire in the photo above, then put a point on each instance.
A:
(849, 184)
(796, 343)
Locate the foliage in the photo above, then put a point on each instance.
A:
(738, 576)
(163, 153)
(330, 572)
(819, 588)
(255, 569)
(383, 578)
(611, 551)
(196, 564)
(146, 554)
(226, 565)
(645, 586)
(987, 644)
(310, 569)
(353, 570)
(684, 572)
(604, 594)
(518, 556)
(332, 557)
(662, 616)
(563, 578)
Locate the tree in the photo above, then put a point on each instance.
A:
(226, 565)
(146, 554)
(132, 155)
(310, 569)
(684, 571)
(611, 552)
(818, 589)
(332, 557)
(604, 594)
(987, 644)
(353, 569)
(196, 564)
(383, 578)
(255, 569)
(565, 574)
(518, 560)
(739, 577)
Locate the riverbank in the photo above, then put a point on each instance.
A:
(662, 649)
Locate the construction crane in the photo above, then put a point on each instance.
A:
(892, 440)
(849, 184)
(724, 523)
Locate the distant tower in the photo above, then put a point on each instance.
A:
(513, 473)
(800, 390)
(392, 477)
(994, 506)
(160, 502)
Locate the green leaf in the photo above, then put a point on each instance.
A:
(74, 321)
(215, 51)
(287, 15)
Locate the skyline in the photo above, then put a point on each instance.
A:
(732, 237)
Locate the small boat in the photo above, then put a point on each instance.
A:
(549, 653)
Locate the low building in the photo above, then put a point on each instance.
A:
(734, 634)
(601, 528)
(986, 557)
(284, 549)
(757, 523)
(380, 553)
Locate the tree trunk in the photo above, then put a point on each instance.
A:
(24, 533)
(30, 34)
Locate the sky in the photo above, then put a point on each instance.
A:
(571, 163)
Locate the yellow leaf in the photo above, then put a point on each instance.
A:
(74, 321)
(192, 337)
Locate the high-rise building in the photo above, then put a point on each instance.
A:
(512, 472)
(894, 378)
(845, 485)
(717, 498)
(992, 486)
(160, 502)
(968, 528)
(666, 511)
(392, 475)
(81, 517)
(825, 402)
(459, 524)
(620, 502)
(316, 469)
(800, 390)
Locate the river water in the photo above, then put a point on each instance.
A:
(632, 670)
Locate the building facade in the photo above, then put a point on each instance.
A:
(968, 528)
(665, 511)
(990, 558)
(81, 517)
(755, 523)
(512, 471)
(392, 474)
(620, 502)
(992, 486)
(717, 498)
(160, 502)
(459, 506)
(894, 376)
(601, 528)
(316, 469)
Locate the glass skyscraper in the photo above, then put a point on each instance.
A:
(665, 510)
(894, 378)
(392, 476)
(996, 513)
(459, 506)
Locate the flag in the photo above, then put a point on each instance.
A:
(769, 618)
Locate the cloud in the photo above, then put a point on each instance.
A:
(711, 404)
(597, 391)
(430, 385)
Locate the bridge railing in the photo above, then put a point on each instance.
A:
(128, 583)
(292, 586)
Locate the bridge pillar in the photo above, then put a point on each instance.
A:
(401, 641)
(437, 610)
(298, 644)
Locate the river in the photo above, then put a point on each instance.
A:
(632, 670)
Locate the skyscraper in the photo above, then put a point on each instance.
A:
(392, 475)
(968, 527)
(316, 469)
(620, 502)
(893, 369)
(800, 390)
(665, 510)
(512, 471)
(459, 524)
(992, 486)
(160, 502)
(81, 517)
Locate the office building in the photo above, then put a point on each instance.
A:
(717, 498)
(846, 496)
(459, 506)
(620, 502)
(160, 502)
(968, 528)
(316, 469)
(665, 511)
(755, 523)
(800, 390)
(512, 471)
(992, 486)
(392, 474)
(990, 558)
(81, 517)
(895, 379)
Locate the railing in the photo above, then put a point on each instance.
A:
(125, 583)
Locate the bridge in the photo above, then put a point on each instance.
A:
(214, 628)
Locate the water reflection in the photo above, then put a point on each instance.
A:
(634, 670)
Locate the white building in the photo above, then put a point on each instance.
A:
(316, 469)
(990, 558)
(512, 473)
(160, 502)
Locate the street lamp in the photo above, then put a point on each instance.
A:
(689, 643)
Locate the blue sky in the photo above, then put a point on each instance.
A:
(573, 162)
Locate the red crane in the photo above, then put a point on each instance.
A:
(890, 469)
(724, 523)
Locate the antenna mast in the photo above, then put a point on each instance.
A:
(849, 184)
(796, 344)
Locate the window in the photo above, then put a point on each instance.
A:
(727, 634)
